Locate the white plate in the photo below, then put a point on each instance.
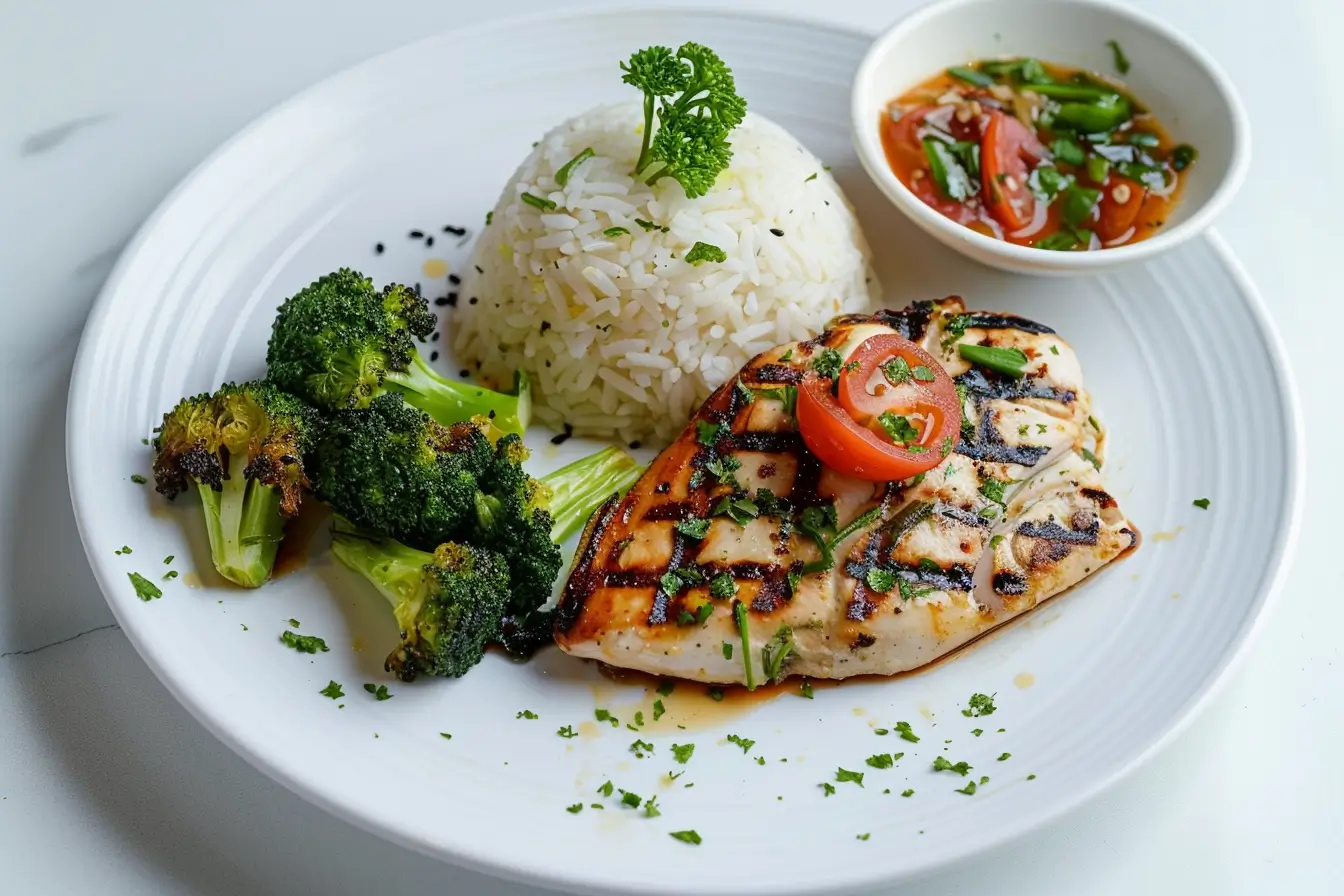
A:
(1179, 355)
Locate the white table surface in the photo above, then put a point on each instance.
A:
(108, 786)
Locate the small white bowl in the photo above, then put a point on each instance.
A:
(1179, 82)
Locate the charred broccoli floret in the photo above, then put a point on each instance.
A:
(339, 342)
(448, 604)
(244, 448)
(524, 518)
(391, 469)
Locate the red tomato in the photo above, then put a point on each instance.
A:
(1008, 147)
(847, 435)
(1116, 218)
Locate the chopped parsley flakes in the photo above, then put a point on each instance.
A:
(567, 732)
(379, 692)
(903, 729)
(881, 760)
(332, 690)
(708, 434)
(303, 643)
(693, 528)
(1201, 503)
(980, 705)
(908, 792)
(742, 742)
(640, 747)
(1005, 756)
(940, 764)
(842, 775)
(690, 837)
(658, 710)
(827, 789)
(682, 752)
(603, 716)
(607, 789)
(805, 689)
(827, 363)
(702, 252)
(527, 714)
(723, 585)
(574, 809)
(969, 789)
(144, 588)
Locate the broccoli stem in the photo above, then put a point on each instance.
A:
(451, 402)
(397, 571)
(580, 488)
(244, 524)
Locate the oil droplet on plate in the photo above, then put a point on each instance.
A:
(1024, 680)
(357, 645)
(1168, 536)
(588, 730)
(192, 580)
(434, 268)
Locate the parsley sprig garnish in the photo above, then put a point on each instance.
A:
(697, 106)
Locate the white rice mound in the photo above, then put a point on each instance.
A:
(623, 338)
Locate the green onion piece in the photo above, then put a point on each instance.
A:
(1047, 181)
(537, 202)
(1105, 113)
(1032, 72)
(740, 617)
(1078, 204)
(971, 76)
(1097, 169)
(1118, 57)
(1144, 138)
(562, 176)
(1182, 156)
(947, 171)
(1059, 241)
(613, 232)
(1008, 361)
(1067, 150)
(1074, 92)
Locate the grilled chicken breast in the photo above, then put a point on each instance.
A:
(1015, 515)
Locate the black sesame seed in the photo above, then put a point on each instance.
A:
(564, 436)
(454, 279)
(441, 301)
(492, 415)
(433, 356)
(452, 299)
(416, 235)
(455, 231)
(429, 241)
(377, 248)
(434, 338)
(464, 373)
(776, 231)
(417, 289)
(545, 325)
(471, 301)
(634, 446)
(478, 269)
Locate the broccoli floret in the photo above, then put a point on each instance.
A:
(339, 343)
(524, 518)
(448, 604)
(244, 448)
(391, 469)
(552, 510)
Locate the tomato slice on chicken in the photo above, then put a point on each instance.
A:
(894, 414)
(1006, 154)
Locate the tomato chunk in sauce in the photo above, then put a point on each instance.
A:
(1036, 154)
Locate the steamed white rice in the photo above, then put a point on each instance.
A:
(620, 336)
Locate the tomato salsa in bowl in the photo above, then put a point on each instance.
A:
(1048, 136)
(1036, 154)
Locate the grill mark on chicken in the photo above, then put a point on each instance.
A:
(995, 385)
(1053, 531)
(990, 321)
(961, 515)
(1103, 499)
(661, 599)
(778, 374)
(988, 445)
(774, 592)
(767, 442)
(911, 322)
(585, 577)
(1009, 582)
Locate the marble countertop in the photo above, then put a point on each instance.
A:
(108, 786)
